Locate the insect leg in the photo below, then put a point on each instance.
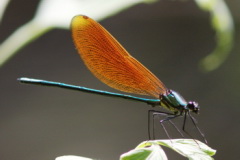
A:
(169, 117)
(195, 124)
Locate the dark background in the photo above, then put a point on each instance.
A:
(168, 37)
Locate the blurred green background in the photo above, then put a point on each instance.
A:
(168, 37)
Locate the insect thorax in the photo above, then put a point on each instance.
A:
(173, 101)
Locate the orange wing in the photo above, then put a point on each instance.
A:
(110, 62)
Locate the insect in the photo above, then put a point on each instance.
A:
(113, 65)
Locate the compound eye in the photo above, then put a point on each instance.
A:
(193, 106)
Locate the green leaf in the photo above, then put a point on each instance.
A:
(3, 6)
(153, 152)
(50, 14)
(222, 23)
(189, 148)
(71, 157)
